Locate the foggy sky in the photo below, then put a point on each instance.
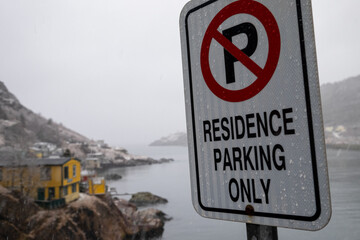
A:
(112, 69)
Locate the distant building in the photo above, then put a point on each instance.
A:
(50, 182)
(87, 174)
(92, 163)
(93, 160)
(97, 186)
(43, 149)
(100, 142)
(98, 155)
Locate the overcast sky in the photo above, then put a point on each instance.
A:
(112, 70)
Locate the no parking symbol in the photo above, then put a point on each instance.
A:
(233, 54)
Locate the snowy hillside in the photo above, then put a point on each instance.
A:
(175, 139)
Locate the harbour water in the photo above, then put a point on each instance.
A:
(172, 181)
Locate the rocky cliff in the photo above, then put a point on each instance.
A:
(88, 218)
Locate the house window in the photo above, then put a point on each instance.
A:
(45, 173)
(74, 170)
(41, 194)
(65, 191)
(66, 172)
(73, 188)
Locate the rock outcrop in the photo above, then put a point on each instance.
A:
(15, 210)
(148, 223)
(146, 198)
(87, 218)
(112, 176)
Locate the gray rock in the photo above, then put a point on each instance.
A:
(149, 222)
(146, 198)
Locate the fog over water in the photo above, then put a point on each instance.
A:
(112, 69)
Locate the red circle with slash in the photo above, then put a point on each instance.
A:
(263, 75)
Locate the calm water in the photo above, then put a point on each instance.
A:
(172, 181)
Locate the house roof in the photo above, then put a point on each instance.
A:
(36, 162)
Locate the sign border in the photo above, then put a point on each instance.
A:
(309, 118)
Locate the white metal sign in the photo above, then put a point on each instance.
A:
(255, 130)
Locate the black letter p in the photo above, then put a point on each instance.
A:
(250, 31)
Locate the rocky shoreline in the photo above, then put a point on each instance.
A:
(134, 162)
(345, 146)
(89, 217)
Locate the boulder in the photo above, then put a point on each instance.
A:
(146, 198)
(148, 223)
(112, 176)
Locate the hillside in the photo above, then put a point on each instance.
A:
(22, 130)
(176, 139)
(341, 105)
(20, 127)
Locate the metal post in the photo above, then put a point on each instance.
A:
(261, 232)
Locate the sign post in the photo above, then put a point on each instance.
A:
(254, 121)
(255, 231)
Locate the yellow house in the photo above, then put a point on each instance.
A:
(51, 182)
